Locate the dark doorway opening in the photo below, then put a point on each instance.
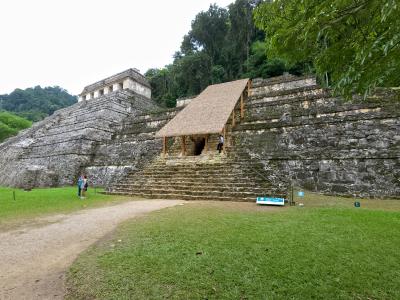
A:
(199, 144)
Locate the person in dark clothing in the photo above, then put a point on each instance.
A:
(220, 143)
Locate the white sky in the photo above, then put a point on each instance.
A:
(73, 43)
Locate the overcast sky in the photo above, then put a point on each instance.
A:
(73, 43)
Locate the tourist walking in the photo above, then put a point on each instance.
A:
(80, 182)
(220, 143)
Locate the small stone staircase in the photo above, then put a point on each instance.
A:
(209, 177)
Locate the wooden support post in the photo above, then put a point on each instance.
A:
(164, 145)
(241, 106)
(183, 142)
(223, 147)
(233, 118)
(248, 88)
(207, 145)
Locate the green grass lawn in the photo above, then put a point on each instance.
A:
(45, 201)
(327, 249)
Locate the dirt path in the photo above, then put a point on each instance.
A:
(33, 260)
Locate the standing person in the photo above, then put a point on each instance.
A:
(220, 143)
(80, 181)
(84, 186)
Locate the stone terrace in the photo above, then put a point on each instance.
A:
(321, 142)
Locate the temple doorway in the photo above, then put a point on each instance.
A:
(199, 144)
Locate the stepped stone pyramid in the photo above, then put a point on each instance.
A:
(292, 132)
(54, 151)
(204, 174)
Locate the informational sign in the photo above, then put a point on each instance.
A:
(271, 201)
(357, 204)
(300, 194)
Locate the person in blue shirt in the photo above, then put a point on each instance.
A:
(80, 183)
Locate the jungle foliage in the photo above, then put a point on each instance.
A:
(354, 45)
(11, 124)
(36, 103)
(222, 45)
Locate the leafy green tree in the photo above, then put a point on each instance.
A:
(36, 103)
(354, 45)
(10, 124)
(209, 29)
(6, 131)
(242, 33)
(222, 45)
(191, 74)
(160, 81)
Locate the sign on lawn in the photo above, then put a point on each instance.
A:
(270, 201)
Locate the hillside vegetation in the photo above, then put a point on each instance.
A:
(36, 103)
(222, 45)
(352, 46)
(11, 124)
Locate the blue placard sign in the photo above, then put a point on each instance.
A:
(270, 201)
(300, 194)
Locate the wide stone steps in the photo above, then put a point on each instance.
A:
(206, 194)
(200, 186)
(188, 172)
(251, 181)
(195, 178)
(185, 197)
(192, 180)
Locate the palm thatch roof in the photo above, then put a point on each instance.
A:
(208, 112)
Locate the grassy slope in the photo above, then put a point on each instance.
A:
(241, 251)
(45, 201)
(11, 124)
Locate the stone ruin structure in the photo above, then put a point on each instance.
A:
(278, 132)
(130, 79)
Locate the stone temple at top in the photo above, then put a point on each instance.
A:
(130, 79)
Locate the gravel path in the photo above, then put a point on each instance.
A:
(33, 260)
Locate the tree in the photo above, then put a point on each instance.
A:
(222, 45)
(353, 44)
(11, 124)
(242, 33)
(36, 103)
(209, 29)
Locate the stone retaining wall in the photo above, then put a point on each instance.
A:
(324, 144)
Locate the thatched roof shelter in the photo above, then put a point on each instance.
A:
(208, 112)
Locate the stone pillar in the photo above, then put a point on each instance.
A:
(107, 90)
(116, 87)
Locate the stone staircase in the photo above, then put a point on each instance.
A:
(237, 175)
(234, 176)
(211, 177)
